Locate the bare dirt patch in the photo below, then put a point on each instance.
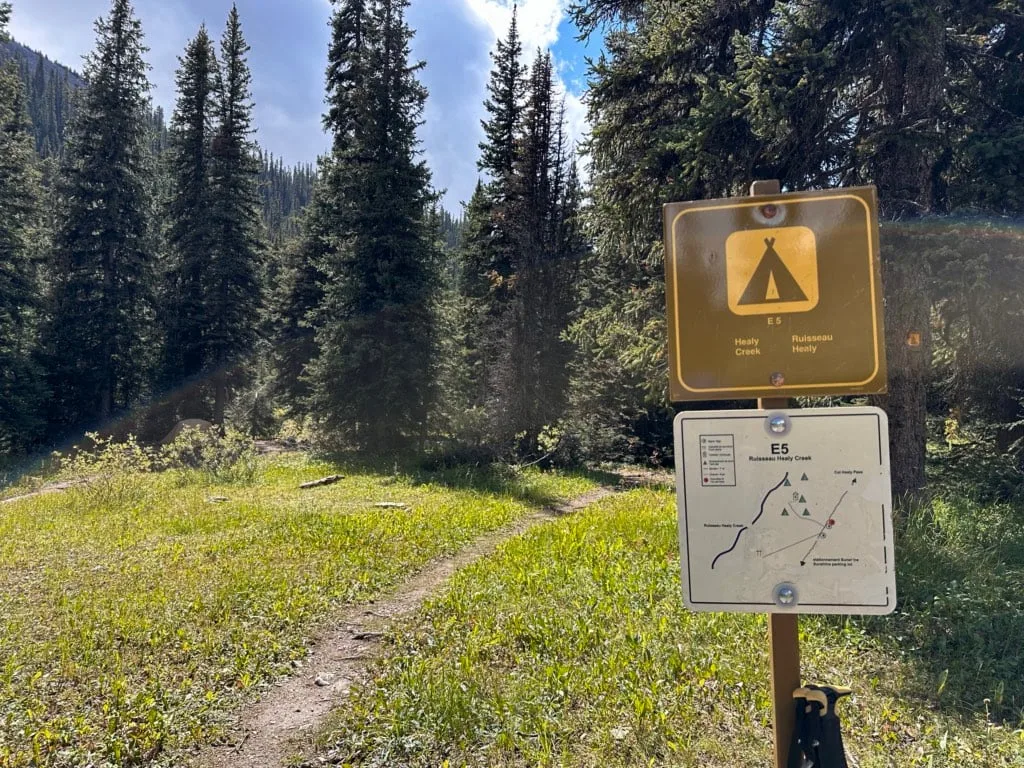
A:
(281, 726)
(47, 489)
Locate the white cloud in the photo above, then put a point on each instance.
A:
(538, 20)
(576, 116)
(578, 128)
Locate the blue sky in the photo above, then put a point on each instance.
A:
(289, 43)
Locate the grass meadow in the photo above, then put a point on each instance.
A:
(138, 610)
(571, 647)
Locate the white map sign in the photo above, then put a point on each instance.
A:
(786, 511)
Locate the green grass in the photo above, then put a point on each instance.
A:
(571, 647)
(135, 613)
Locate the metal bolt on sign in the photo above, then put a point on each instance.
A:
(786, 596)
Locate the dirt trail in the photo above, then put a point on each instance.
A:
(47, 489)
(280, 727)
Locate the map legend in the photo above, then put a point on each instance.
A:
(718, 461)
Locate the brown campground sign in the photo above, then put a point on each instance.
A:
(776, 295)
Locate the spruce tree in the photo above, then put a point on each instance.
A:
(373, 382)
(516, 270)
(233, 292)
(21, 386)
(456, 415)
(191, 232)
(573, 245)
(488, 252)
(346, 68)
(299, 309)
(296, 295)
(99, 335)
(159, 134)
(481, 307)
(530, 380)
(570, 250)
(506, 92)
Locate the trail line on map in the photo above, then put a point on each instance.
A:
(764, 501)
(831, 518)
(790, 546)
(798, 516)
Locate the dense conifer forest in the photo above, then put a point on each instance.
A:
(157, 268)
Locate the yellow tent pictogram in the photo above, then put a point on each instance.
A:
(772, 271)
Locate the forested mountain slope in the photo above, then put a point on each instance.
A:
(50, 87)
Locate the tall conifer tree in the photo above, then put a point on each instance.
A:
(296, 294)
(488, 253)
(346, 68)
(373, 382)
(516, 271)
(299, 308)
(506, 92)
(233, 292)
(21, 390)
(476, 316)
(99, 335)
(191, 232)
(530, 380)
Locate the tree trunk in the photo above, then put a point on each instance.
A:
(106, 404)
(907, 314)
(911, 78)
(220, 399)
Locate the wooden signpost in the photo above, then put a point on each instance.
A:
(783, 628)
(771, 297)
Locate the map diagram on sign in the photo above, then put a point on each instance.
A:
(810, 508)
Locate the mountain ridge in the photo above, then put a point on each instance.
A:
(12, 50)
(50, 87)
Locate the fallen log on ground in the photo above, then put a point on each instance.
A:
(322, 482)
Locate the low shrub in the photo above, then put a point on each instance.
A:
(112, 468)
(228, 458)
